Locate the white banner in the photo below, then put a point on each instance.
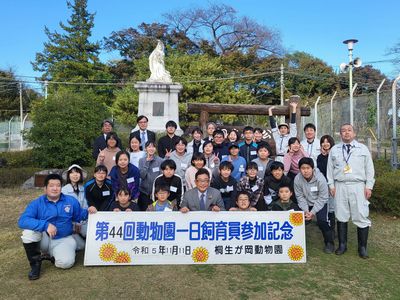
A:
(150, 238)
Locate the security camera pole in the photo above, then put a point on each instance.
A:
(350, 43)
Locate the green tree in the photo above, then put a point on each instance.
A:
(308, 76)
(59, 141)
(10, 97)
(125, 105)
(367, 78)
(70, 55)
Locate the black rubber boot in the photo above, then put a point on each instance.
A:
(342, 234)
(33, 253)
(362, 234)
(329, 243)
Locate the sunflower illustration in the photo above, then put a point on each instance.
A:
(296, 218)
(296, 252)
(200, 254)
(107, 252)
(122, 257)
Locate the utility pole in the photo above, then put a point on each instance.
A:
(21, 114)
(282, 85)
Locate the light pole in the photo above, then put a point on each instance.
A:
(350, 43)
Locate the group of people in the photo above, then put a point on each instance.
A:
(214, 173)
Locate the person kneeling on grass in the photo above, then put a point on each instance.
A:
(312, 196)
(162, 203)
(243, 202)
(123, 201)
(47, 224)
(284, 202)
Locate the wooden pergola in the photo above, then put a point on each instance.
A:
(205, 109)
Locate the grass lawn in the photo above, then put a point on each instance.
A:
(322, 277)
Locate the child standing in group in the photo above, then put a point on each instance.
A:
(123, 201)
(238, 162)
(248, 148)
(125, 175)
(196, 145)
(253, 184)
(149, 167)
(212, 160)
(243, 202)
(98, 190)
(198, 162)
(281, 132)
(170, 179)
(284, 201)
(226, 184)
(135, 153)
(162, 203)
(181, 158)
(263, 161)
(292, 158)
(273, 182)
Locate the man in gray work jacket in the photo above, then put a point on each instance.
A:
(350, 175)
(312, 197)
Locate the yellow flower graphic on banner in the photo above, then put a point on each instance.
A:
(296, 218)
(200, 254)
(122, 257)
(296, 252)
(107, 252)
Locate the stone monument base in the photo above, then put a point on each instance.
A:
(159, 103)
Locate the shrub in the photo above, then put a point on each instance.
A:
(12, 177)
(18, 159)
(65, 126)
(386, 193)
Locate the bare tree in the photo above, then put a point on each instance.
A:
(221, 26)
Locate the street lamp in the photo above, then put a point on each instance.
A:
(349, 67)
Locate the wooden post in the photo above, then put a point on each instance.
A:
(203, 120)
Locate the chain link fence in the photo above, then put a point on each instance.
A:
(10, 134)
(365, 119)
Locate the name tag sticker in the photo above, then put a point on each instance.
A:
(253, 152)
(260, 168)
(314, 189)
(254, 188)
(241, 168)
(106, 193)
(156, 169)
(131, 179)
(212, 166)
(229, 188)
(113, 157)
(173, 188)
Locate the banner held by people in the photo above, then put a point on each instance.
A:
(195, 238)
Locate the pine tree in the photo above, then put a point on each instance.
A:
(70, 55)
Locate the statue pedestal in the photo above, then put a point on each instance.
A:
(158, 101)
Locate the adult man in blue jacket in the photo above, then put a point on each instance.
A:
(47, 224)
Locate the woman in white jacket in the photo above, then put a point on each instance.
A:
(74, 176)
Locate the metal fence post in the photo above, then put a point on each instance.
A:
(334, 95)
(378, 125)
(394, 122)
(316, 115)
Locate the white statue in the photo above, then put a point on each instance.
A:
(157, 67)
